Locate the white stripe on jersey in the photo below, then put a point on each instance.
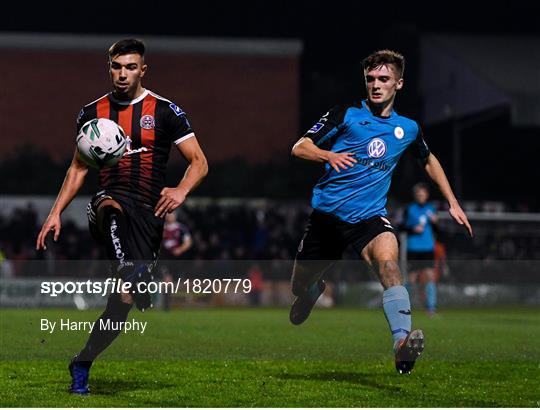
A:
(100, 98)
(159, 97)
(185, 137)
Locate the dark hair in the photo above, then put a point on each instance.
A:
(384, 57)
(127, 46)
(421, 185)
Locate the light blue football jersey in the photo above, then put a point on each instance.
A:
(359, 192)
(420, 215)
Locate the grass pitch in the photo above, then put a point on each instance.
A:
(254, 357)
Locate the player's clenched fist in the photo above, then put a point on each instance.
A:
(171, 198)
(341, 160)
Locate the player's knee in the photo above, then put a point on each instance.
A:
(108, 207)
(105, 210)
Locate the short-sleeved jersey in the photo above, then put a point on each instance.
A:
(359, 192)
(152, 124)
(420, 215)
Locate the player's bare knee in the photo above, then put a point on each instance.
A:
(108, 202)
(105, 208)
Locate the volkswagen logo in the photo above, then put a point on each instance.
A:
(376, 148)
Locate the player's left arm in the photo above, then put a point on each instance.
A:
(436, 173)
(172, 198)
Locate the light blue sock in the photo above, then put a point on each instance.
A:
(397, 309)
(431, 296)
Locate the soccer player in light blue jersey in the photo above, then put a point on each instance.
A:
(360, 146)
(419, 222)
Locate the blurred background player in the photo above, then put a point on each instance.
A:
(177, 241)
(420, 219)
(360, 146)
(126, 215)
(255, 275)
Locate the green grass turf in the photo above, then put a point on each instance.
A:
(254, 357)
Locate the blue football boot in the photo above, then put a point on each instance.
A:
(79, 377)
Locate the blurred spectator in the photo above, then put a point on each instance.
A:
(176, 238)
(176, 242)
(255, 275)
(6, 267)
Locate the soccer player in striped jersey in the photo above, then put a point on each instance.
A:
(126, 215)
(360, 145)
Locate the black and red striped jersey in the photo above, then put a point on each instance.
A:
(152, 124)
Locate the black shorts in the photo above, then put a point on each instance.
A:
(145, 230)
(420, 260)
(326, 236)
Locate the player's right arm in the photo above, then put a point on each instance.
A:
(317, 142)
(72, 183)
(305, 148)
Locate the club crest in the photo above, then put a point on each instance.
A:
(147, 122)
